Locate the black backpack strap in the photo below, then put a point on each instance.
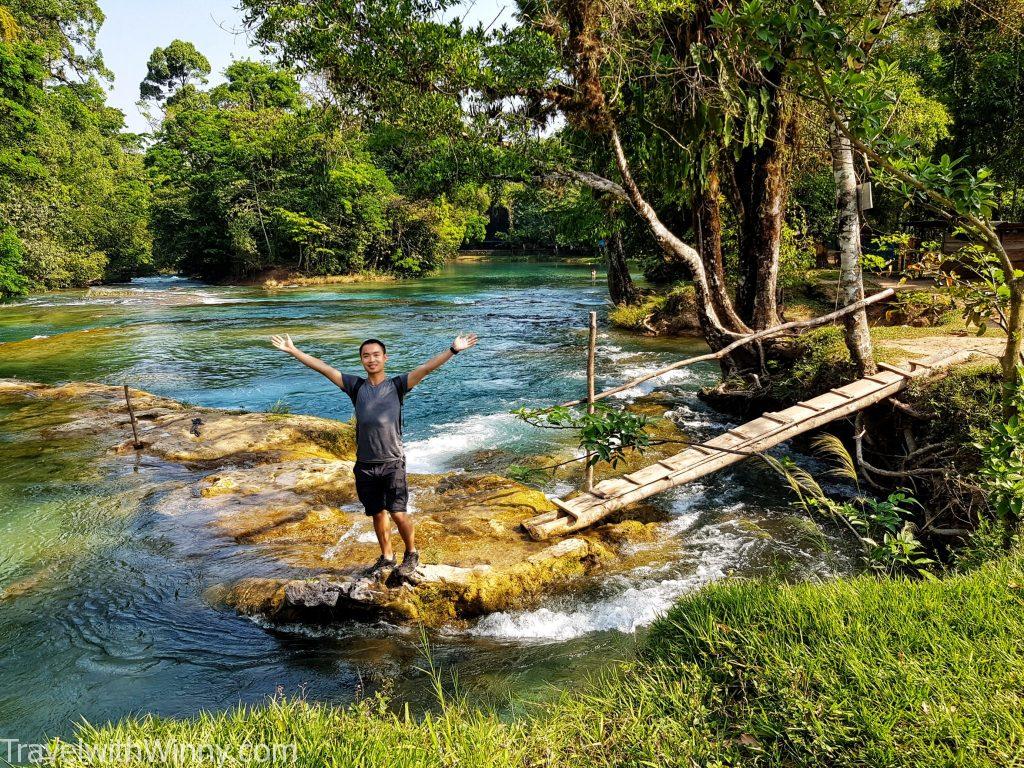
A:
(399, 388)
(400, 391)
(355, 390)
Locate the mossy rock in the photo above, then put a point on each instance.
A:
(671, 313)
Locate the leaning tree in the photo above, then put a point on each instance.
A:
(644, 82)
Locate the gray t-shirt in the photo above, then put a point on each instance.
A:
(378, 411)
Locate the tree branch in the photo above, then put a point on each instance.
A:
(592, 180)
(812, 323)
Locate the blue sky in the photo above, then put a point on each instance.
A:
(133, 28)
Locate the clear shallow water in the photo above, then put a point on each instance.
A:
(107, 615)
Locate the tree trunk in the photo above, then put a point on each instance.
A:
(851, 280)
(707, 217)
(1011, 357)
(761, 186)
(714, 332)
(620, 284)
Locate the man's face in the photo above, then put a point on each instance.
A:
(373, 358)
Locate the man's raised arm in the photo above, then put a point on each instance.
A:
(461, 342)
(285, 344)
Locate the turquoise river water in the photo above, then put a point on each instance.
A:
(119, 625)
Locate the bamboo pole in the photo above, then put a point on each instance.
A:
(591, 351)
(812, 323)
(131, 414)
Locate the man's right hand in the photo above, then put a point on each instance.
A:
(284, 343)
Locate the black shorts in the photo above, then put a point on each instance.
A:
(381, 486)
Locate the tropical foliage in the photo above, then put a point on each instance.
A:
(73, 192)
(253, 174)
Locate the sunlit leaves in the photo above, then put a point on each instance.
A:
(172, 68)
(885, 527)
(1002, 469)
(12, 280)
(830, 65)
(607, 434)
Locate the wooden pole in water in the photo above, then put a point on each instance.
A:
(131, 413)
(591, 350)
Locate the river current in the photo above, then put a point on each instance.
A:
(116, 622)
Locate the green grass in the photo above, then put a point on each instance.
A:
(952, 326)
(677, 298)
(631, 316)
(863, 671)
(858, 672)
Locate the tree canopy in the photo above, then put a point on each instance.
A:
(73, 191)
(172, 68)
(694, 132)
(252, 174)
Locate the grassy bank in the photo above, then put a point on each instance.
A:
(290, 279)
(859, 672)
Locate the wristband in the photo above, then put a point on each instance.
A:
(453, 350)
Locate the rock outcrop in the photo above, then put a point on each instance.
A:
(270, 500)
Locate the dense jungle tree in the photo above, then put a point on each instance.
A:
(970, 57)
(611, 69)
(253, 174)
(843, 67)
(171, 69)
(73, 193)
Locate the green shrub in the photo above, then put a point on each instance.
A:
(822, 362)
(1002, 466)
(796, 259)
(986, 544)
(964, 400)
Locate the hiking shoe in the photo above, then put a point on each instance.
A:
(409, 563)
(380, 565)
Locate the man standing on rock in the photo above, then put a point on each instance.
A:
(380, 457)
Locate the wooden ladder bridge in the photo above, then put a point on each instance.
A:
(731, 447)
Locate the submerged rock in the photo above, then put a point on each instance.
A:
(168, 429)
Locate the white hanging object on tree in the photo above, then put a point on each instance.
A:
(865, 201)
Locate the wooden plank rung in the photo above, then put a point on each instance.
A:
(741, 435)
(647, 474)
(808, 406)
(614, 487)
(564, 506)
(704, 458)
(893, 369)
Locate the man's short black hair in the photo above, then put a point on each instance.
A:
(372, 341)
